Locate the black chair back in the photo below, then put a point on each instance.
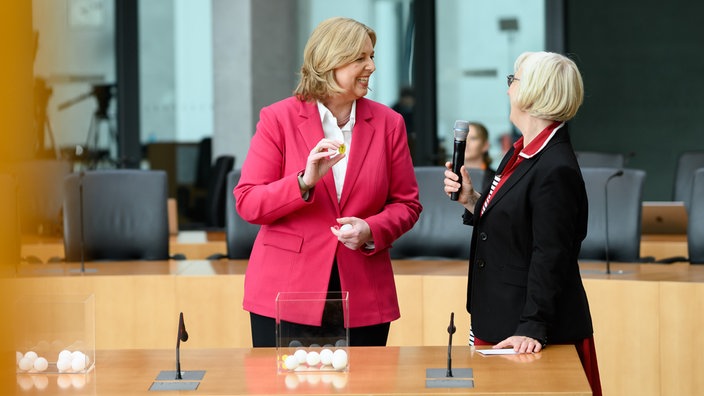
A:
(40, 195)
(695, 223)
(599, 159)
(240, 234)
(624, 214)
(687, 163)
(116, 215)
(439, 232)
(216, 198)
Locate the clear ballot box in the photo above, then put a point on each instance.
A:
(312, 332)
(55, 333)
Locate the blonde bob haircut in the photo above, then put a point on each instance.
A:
(550, 86)
(335, 42)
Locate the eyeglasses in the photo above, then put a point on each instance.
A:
(510, 79)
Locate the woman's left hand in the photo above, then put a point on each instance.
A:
(352, 232)
(521, 344)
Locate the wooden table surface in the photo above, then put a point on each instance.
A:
(378, 371)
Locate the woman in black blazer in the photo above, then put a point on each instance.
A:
(524, 289)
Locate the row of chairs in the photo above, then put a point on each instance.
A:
(440, 234)
(122, 214)
(687, 163)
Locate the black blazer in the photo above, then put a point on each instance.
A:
(523, 274)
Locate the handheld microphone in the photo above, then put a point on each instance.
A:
(461, 131)
(606, 218)
(182, 336)
(451, 330)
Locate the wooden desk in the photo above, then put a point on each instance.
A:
(663, 246)
(378, 371)
(647, 320)
(195, 245)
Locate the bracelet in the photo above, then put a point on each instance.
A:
(301, 184)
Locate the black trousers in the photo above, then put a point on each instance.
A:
(264, 328)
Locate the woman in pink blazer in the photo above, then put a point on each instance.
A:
(329, 178)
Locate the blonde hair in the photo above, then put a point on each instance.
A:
(550, 86)
(335, 42)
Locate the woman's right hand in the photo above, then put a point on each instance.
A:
(468, 196)
(323, 156)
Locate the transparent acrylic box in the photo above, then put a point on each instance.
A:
(301, 342)
(58, 328)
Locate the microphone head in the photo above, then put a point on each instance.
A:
(461, 130)
(182, 333)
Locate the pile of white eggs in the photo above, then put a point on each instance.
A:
(31, 362)
(67, 362)
(72, 362)
(326, 359)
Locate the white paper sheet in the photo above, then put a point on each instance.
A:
(505, 351)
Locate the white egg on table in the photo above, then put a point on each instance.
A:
(326, 357)
(26, 364)
(31, 355)
(291, 362)
(313, 358)
(339, 359)
(65, 354)
(63, 365)
(78, 364)
(41, 364)
(301, 356)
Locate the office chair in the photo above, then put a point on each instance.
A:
(687, 163)
(240, 234)
(439, 232)
(598, 159)
(116, 215)
(695, 223)
(624, 214)
(9, 226)
(40, 195)
(216, 198)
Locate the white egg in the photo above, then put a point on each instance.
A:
(63, 365)
(300, 356)
(26, 364)
(65, 354)
(41, 364)
(313, 358)
(78, 364)
(31, 355)
(339, 359)
(291, 362)
(326, 357)
(78, 355)
(346, 227)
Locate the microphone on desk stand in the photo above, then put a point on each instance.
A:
(182, 336)
(606, 218)
(451, 330)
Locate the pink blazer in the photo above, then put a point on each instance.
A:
(294, 250)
